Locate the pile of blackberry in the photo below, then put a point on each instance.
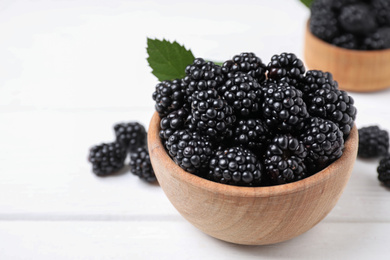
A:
(109, 158)
(352, 24)
(249, 124)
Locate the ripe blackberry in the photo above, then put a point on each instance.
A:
(246, 62)
(314, 80)
(189, 150)
(373, 142)
(130, 135)
(284, 160)
(141, 166)
(286, 65)
(323, 21)
(378, 40)
(212, 115)
(384, 171)
(334, 105)
(357, 19)
(107, 158)
(169, 96)
(243, 93)
(381, 11)
(324, 143)
(252, 134)
(172, 122)
(283, 108)
(347, 41)
(235, 166)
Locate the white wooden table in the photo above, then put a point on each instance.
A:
(69, 70)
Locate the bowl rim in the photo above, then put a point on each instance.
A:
(157, 149)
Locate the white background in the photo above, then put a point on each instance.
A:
(71, 69)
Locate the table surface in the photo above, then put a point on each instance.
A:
(70, 70)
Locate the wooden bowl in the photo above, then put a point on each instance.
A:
(251, 216)
(360, 71)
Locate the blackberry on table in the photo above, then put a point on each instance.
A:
(357, 19)
(373, 142)
(384, 171)
(324, 143)
(284, 160)
(286, 67)
(315, 80)
(243, 93)
(347, 41)
(169, 96)
(141, 166)
(189, 150)
(235, 166)
(107, 158)
(251, 133)
(246, 62)
(130, 135)
(172, 122)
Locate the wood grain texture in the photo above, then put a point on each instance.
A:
(354, 70)
(251, 216)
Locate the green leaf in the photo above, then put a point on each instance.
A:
(307, 2)
(168, 60)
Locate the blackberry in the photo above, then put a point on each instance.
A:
(169, 96)
(378, 40)
(357, 19)
(243, 93)
(314, 80)
(246, 62)
(324, 143)
(382, 11)
(252, 134)
(235, 166)
(107, 158)
(189, 150)
(286, 65)
(347, 41)
(141, 166)
(384, 171)
(334, 105)
(323, 21)
(172, 122)
(284, 108)
(284, 160)
(212, 115)
(130, 135)
(373, 142)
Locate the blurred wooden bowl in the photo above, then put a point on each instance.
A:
(245, 215)
(354, 70)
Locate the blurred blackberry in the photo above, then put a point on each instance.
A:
(252, 134)
(357, 19)
(334, 105)
(323, 21)
(347, 41)
(324, 143)
(314, 80)
(286, 65)
(169, 96)
(107, 158)
(373, 142)
(283, 108)
(130, 135)
(190, 151)
(384, 171)
(235, 166)
(246, 62)
(243, 93)
(381, 11)
(284, 160)
(172, 122)
(378, 40)
(141, 166)
(212, 115)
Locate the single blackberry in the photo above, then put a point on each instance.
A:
(284, 160)
(357, 19)
(130, 135)
(324, 143)
(243, 93)
(286, 65)
(283, 108)
(373, 142)
(190, 151)
(347, 41)
(107, 158)
(235, 166)
(212, 115)
(169, 96)
(384, 171)
(141, 166)
(378, 40)
(172, 122)
(252, 134)
(246, 62)
(381, 11)
(315, 80)
(334, 105)
(323, 21)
